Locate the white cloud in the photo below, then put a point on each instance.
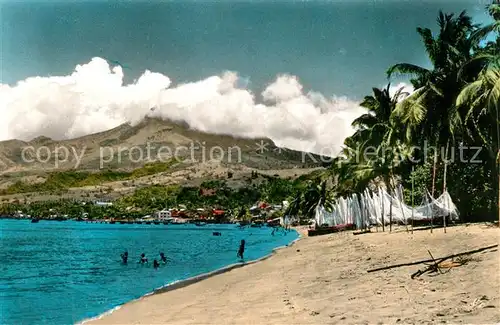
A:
(93, 98)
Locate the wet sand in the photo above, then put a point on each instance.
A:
(324, 280)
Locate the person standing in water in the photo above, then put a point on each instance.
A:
(143, 259)
(124, 257)
(156, 264)
(241, 250)
(163, 258)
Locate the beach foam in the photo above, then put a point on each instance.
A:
(184, 283)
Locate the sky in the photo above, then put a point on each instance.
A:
(292, 71)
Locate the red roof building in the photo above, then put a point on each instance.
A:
(216, 212)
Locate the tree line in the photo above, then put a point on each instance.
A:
(453, 111)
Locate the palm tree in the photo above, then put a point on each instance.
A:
(430, 111)
(494, 12)
(316, 195)
(293, 208)
(482, 97)
(373, 126)
(378, 130)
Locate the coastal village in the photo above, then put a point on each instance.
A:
(259, 214)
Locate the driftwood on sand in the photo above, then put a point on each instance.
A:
(437, 266)
(438, 260)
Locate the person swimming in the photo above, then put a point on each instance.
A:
(143, 259)
(124, 257)
(241, 250)
(163, 258)
(156, 264)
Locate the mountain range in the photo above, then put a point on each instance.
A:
(193, 155)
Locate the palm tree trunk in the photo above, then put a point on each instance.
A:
(390, 212)
(433, 183)
(389, 190)
(496, 186)
(434, 174)
(387, 180)
(444, 180)
(497, 161)
(412, 195)
(383, 213)
(498, 198)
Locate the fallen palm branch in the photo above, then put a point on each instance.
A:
(438, 266)
(441, 259)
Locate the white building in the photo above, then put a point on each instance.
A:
(102, 203)
(164, 214)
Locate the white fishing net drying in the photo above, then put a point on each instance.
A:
(368, 208)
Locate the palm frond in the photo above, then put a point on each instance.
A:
(365, 120)
(429, 42)
(406, 69)
(469, 92)
(412, 110)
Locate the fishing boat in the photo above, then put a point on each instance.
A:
(328, 230)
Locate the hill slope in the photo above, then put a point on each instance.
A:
(128, 147)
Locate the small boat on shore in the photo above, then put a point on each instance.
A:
(329, 230)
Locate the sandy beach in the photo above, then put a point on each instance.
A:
(324, 280)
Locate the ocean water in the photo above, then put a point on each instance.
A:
(63, 272)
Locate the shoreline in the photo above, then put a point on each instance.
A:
(297, 286)
(195, 279)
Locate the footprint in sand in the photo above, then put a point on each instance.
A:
(286, 300)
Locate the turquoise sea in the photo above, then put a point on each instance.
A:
(64, 272)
